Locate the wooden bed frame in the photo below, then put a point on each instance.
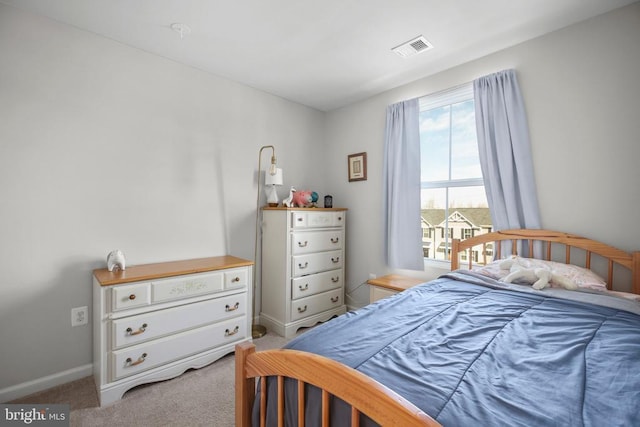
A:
(368, 396)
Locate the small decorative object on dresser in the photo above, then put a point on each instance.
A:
(302, 267)
(328, 201)
(115, 260)
(153, 322)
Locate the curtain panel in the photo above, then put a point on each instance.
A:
(505, 151)
(401, 187)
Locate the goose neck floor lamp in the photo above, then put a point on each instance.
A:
(274, 176)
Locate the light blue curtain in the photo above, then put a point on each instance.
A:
(401, 187)
(505, 151)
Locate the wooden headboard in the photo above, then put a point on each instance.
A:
(491, 249)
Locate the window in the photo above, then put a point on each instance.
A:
(453, 200)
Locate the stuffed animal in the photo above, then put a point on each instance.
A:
(304, 199)
(539, 275)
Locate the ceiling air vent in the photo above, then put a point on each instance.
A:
(413, 47)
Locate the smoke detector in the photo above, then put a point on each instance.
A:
(413, 47)
(181, 29)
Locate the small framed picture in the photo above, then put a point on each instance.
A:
(357, 167)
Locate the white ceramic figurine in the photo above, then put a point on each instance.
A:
(115, 260)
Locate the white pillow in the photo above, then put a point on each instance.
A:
(582, 277)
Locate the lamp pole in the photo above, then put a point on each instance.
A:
(258, 330)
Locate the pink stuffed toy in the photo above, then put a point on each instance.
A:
(302, 199)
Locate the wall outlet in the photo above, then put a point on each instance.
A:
(372, 276)
(79, 316)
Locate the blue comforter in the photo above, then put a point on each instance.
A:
(471, 352)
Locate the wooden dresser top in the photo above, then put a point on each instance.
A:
(136, 273)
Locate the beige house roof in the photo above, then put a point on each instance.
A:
(477, 217)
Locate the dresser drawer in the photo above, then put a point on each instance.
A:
(305, 219)
(315, 283)
(314, 263)
(307, 242)
(141, 357)
(144, 327)
(236, 279)
(130, 296)
(316, 304)
(187, 286)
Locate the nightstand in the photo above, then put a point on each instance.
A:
(385, 286)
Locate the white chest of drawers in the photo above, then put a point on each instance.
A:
(302, 267)
(153, 322)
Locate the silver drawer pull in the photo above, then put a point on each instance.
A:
(302, 310)
(303, 245)
(234, 308)
(335, 260)
(228, 333)
(300, 266)
(335, 299)
(139, 331)
(335, 279)
(137, 362)
(336, 240)
(306, 286)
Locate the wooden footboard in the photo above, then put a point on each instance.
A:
(364, 394)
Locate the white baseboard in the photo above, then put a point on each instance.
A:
(24, 389)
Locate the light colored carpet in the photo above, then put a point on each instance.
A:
(199, 397)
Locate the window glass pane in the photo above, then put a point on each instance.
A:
(434, 144)
(433, 214)
(449, 153)
(465, 161)
(468, 213)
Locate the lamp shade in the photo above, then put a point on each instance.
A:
(273, 179)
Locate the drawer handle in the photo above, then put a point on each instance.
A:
(302, 310)
(138, 332)
(335, 279)
(303, 245)
(235, 279)
(300, 266)
(335, 299)
(137, 362)
(306, 286)
(132, 297)
(299, 219)
(336, 240)
(339, 218)
(335, 260)
(228, 333)
(234, 308)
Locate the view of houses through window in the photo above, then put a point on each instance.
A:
(453, 199)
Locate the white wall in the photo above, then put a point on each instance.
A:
(103, 146)
(582, 95)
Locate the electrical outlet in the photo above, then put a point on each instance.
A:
(372, 276)
(79, 316)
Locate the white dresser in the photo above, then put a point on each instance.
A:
(153, 322)
(302, 267)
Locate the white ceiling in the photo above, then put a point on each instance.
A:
(320, 53)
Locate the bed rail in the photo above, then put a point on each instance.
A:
(364, 394)
(630, 261)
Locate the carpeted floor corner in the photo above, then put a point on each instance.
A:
(199, 397)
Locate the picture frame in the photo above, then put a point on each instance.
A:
(357, 164)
